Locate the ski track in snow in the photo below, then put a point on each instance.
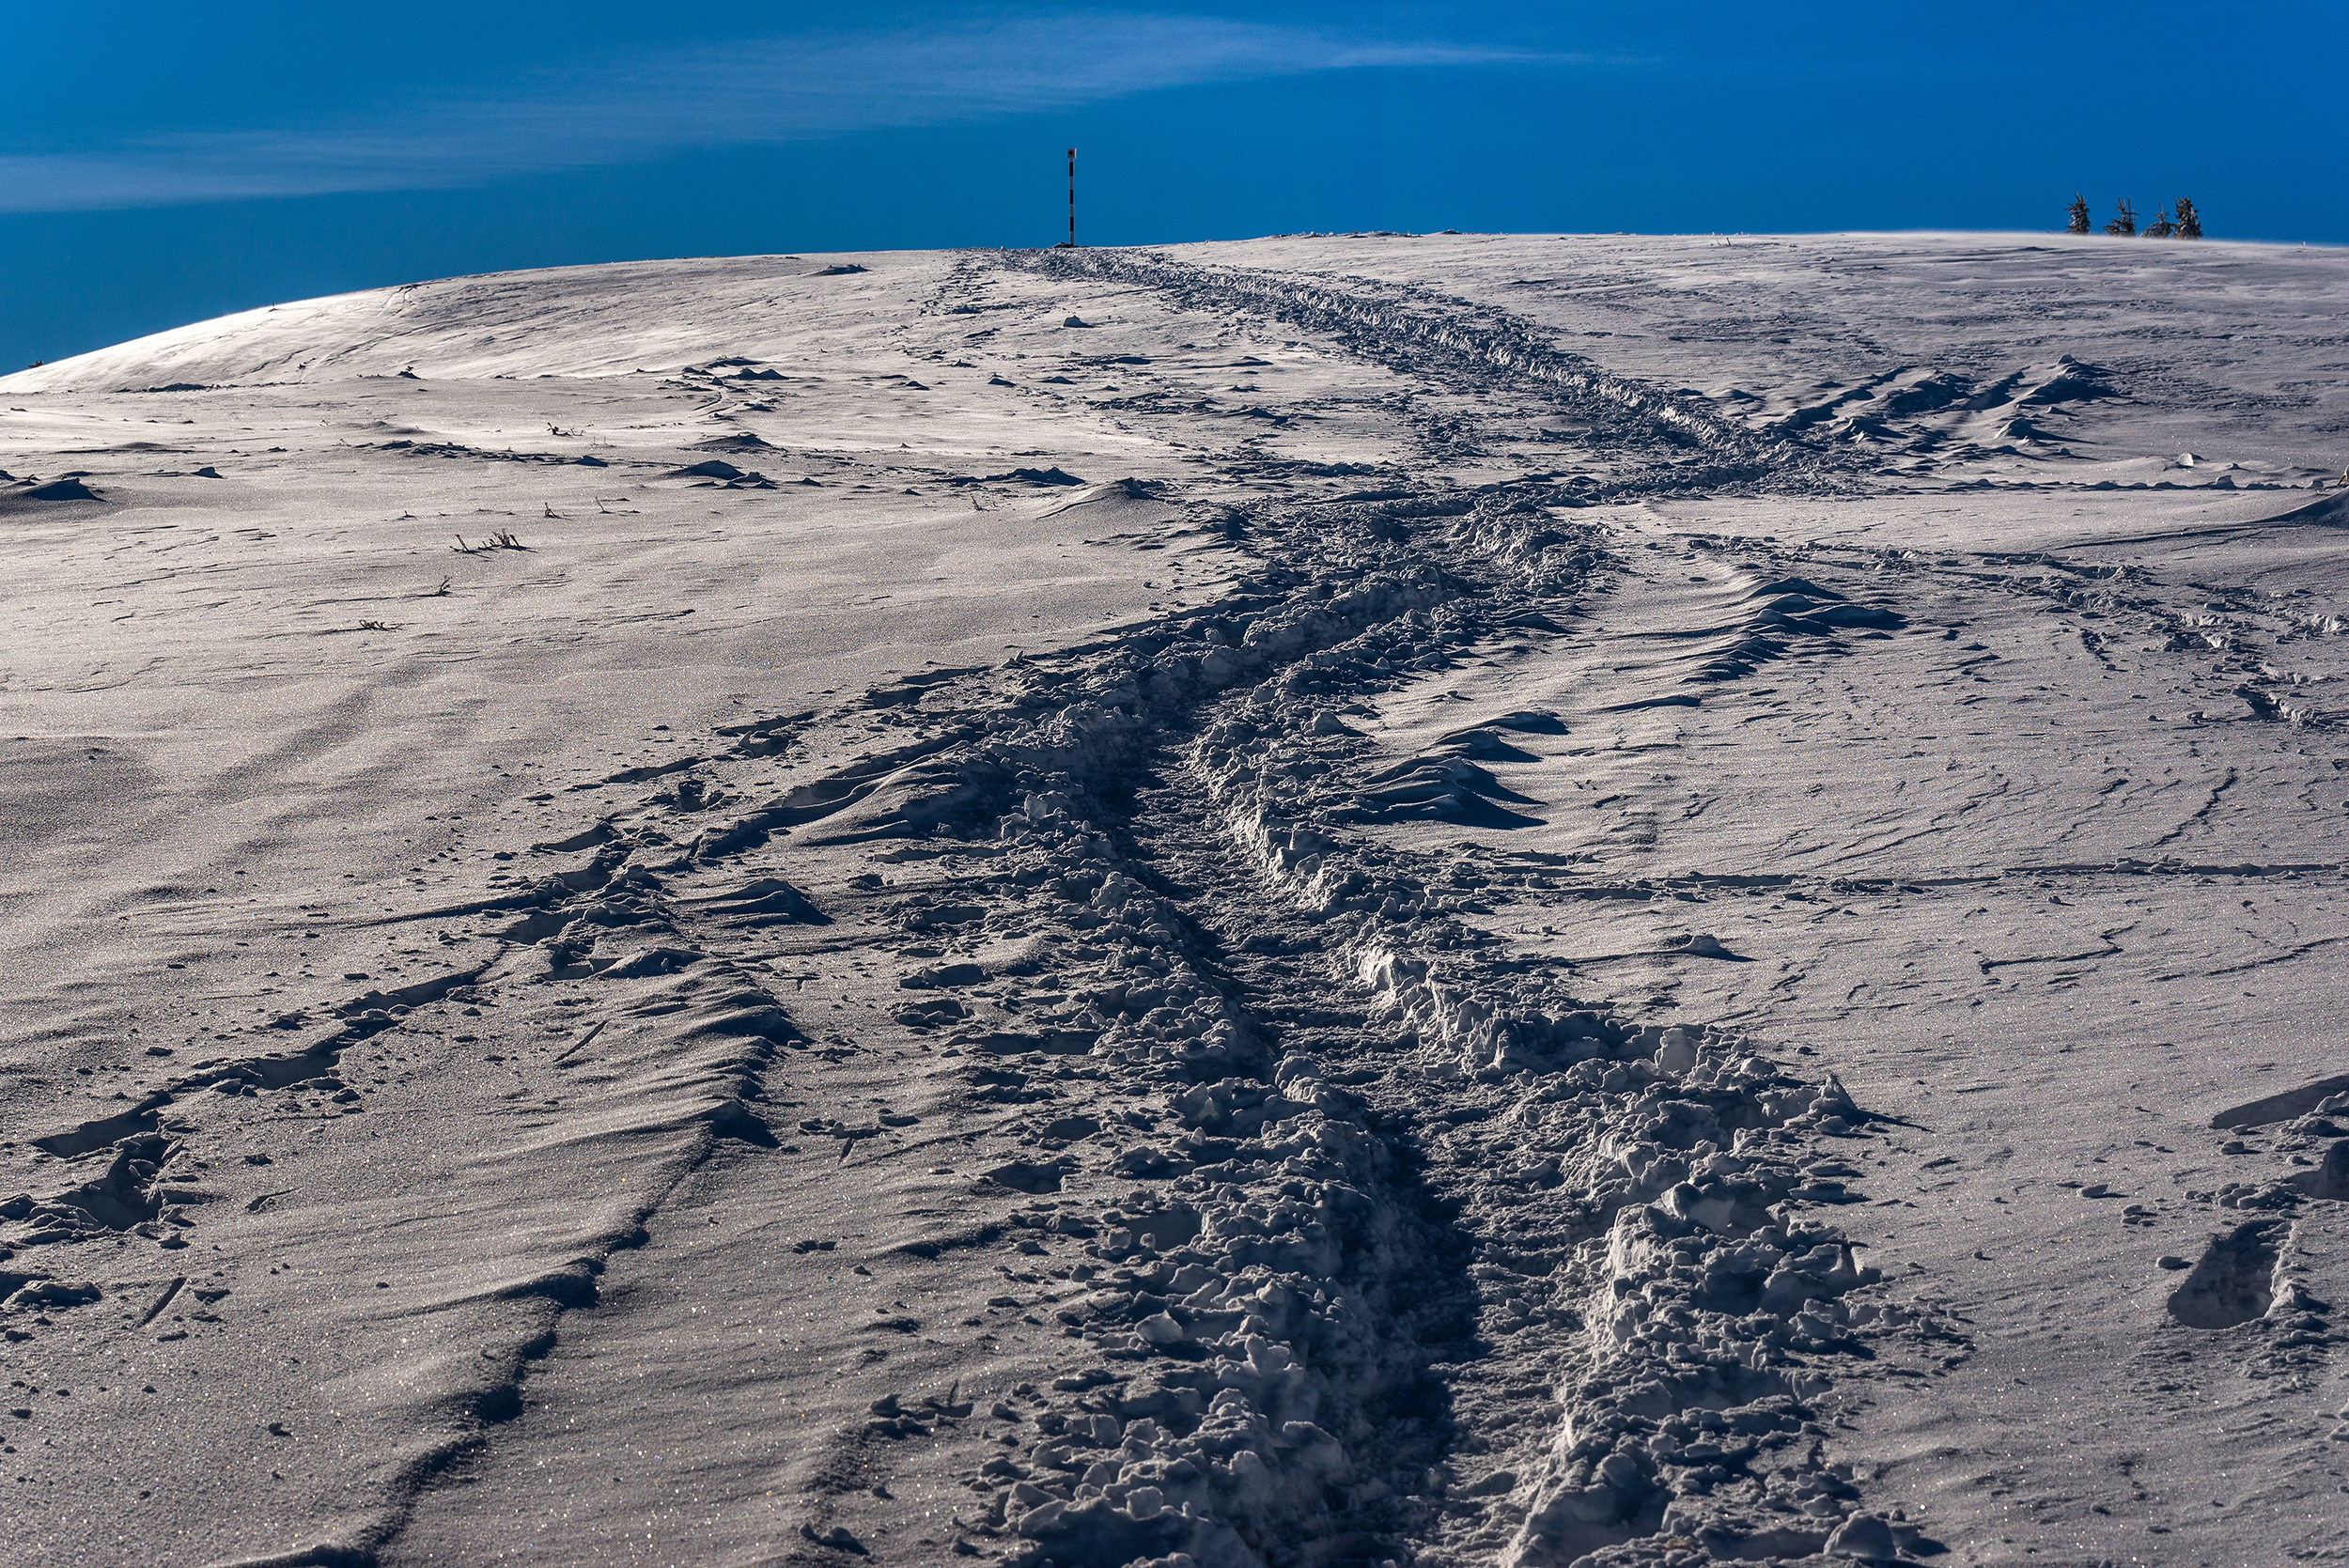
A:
(1121, 1102)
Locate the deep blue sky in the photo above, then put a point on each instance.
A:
(165, 162)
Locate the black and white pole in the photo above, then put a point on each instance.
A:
(1072, 198)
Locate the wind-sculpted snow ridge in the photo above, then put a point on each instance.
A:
(666, 1078)
(1418, 1204)
(1453, 341)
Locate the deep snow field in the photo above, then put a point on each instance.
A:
(1343, 899)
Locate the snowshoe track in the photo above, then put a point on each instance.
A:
(1468, 346)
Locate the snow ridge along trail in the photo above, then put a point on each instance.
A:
(1210, 908)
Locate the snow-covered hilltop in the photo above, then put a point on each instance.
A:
(1441, 899)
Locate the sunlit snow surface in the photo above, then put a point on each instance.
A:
(1448, 899)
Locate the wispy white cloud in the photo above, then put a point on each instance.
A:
(625, 110)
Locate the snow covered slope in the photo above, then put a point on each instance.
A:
(1440, 899)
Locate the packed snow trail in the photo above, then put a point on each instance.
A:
(1323, 1291)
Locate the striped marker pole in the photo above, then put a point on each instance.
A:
(1072, 198)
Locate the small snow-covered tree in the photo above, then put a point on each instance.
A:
(2189, 221)
(2161, 227)
(2079, 214)
(2125, 222)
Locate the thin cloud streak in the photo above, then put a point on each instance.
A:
(763, 91)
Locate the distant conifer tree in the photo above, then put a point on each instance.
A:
(2125, 223)
(2161, 227)
(2189, 221)
(2079, 214)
